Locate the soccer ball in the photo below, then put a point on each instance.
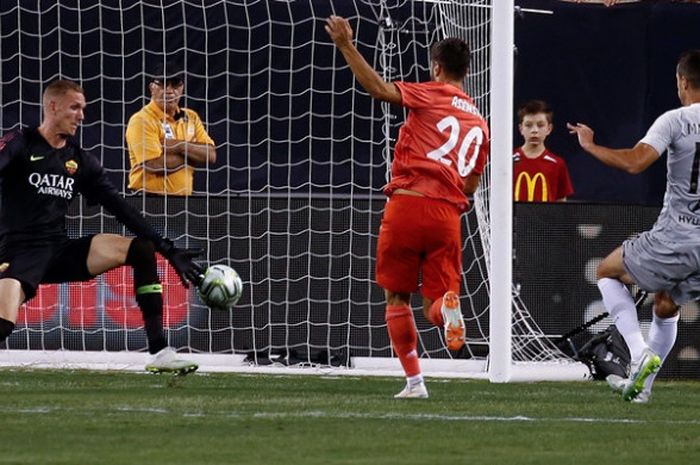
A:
(221, 287)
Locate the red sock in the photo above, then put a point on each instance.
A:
(435, 313)
(402, 332)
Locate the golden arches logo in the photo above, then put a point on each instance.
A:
(531, 184)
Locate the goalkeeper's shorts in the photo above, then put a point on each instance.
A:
(44, 262)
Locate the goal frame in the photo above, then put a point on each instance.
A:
(501, 204)
(499, 366)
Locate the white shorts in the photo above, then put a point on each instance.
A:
(657, 263)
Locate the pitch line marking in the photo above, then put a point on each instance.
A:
(350, 415)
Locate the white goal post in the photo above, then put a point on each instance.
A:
(501, 207)
(293, 202)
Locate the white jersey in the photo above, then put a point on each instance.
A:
(678, 131)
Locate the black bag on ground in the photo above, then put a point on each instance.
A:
(606, 354)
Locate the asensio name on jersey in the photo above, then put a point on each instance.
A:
(465, 105)
(444, 139)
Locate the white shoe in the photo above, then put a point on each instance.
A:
(643, 397)
(417, 391)
(167, 361)
(648, 364)
(617, 383)
(454, 322)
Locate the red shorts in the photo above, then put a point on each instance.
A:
(419, 234)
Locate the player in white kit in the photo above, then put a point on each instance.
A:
(666, 259)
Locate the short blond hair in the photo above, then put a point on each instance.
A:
(60, 87)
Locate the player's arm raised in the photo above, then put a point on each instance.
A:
(341, 33)
(632, 161)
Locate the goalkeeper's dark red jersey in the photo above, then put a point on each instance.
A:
(39, 182)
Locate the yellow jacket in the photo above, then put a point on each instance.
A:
(145, 133)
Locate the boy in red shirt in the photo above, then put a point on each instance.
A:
(438, 160)
(538, 174)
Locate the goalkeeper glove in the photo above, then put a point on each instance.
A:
(181, 260)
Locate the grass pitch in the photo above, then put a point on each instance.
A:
(82, 417)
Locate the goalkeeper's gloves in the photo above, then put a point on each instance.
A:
(181, 260)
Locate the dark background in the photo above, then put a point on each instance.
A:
(610, 68)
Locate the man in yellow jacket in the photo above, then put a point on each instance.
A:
(166, 142)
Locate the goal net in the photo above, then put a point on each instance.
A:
(294, 201)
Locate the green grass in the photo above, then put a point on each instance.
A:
(82, 417)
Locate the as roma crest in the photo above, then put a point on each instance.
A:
(71, 167)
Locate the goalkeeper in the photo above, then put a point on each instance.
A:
(439, 157)
(42, 169)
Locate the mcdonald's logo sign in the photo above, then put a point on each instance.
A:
(531, 184)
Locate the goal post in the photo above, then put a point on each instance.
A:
(501, 206)
(295, 199)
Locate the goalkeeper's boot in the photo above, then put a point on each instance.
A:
(167, 361)
(417, 391)
(454, 323)
(647, 364)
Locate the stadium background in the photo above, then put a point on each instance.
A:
(618, 93)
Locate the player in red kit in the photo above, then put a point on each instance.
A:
(439, 157)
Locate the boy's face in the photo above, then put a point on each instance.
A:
(535, 128)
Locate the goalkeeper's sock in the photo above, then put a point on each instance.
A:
(149, 292)
(435, 313)
(141, 256)
(151, 304)
(402, 332)
(662, 337)
(620, 304)
(6, 328)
